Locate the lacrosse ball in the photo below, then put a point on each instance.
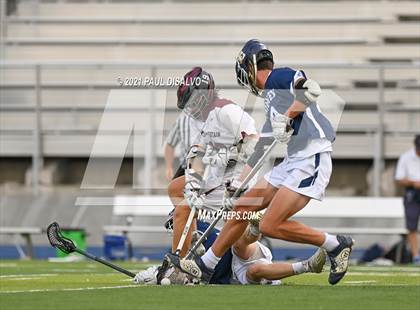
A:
(165, 281)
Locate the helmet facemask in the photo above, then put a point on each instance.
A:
(197, 103)
(247, 78)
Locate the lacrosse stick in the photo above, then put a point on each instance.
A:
(238, 191)
(165, 264)
(57, 240)
(191, 216)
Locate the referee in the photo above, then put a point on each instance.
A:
(185, 132)
(408, 175)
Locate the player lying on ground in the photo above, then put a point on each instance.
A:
(251, 264)
(292, 117)
(252, 261)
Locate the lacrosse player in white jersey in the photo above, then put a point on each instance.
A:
(227, 137)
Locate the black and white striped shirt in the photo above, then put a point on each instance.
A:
(185, 132)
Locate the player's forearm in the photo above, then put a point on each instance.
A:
(408, 183)
(169, 154)
(295, 109)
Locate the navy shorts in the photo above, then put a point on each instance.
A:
(412, 212)
(223, 270)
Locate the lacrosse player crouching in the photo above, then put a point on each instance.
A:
(227, 137)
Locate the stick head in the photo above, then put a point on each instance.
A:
(57, 240)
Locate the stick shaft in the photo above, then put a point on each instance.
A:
(255, 169)
(191, 215)
(244, 183)
(185, 231)
(106, 263)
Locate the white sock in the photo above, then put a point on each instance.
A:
(300, 267)
(209, 259)
(330, 242)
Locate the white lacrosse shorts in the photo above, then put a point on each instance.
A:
(307, 176)
(262, 255)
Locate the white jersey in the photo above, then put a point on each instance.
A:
(408, 166)
(225, 126)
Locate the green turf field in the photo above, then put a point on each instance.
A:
(88, 285)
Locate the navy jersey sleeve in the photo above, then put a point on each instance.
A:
(279, 94)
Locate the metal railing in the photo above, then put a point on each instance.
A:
(38, 67)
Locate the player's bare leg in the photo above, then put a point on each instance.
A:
(276, 271)
(181, 214)
(413, 243)
(259, 272)
(176, 190)
(245, 246)
(259, 196)
(276, 223)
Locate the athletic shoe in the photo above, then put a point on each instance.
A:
(317, 261)
(339, 258)
(194, 267)
(162, 269)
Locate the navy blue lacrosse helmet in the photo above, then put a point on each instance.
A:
(250, 55)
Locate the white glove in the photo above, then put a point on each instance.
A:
(247, 148)
(313, 90)
(281, 128)
(232, 186)
(192, 196)
(147, 276)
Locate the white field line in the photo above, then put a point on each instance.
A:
(383, 274)
(29, 275)
(360, 282)
(24, 279)
(70, 289)
(388, 269)
(72, 270)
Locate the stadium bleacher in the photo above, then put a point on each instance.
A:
(57, 54)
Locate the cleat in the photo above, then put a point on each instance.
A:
(339, 258)
(161, 271)
(194, 267)
(317, 261)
